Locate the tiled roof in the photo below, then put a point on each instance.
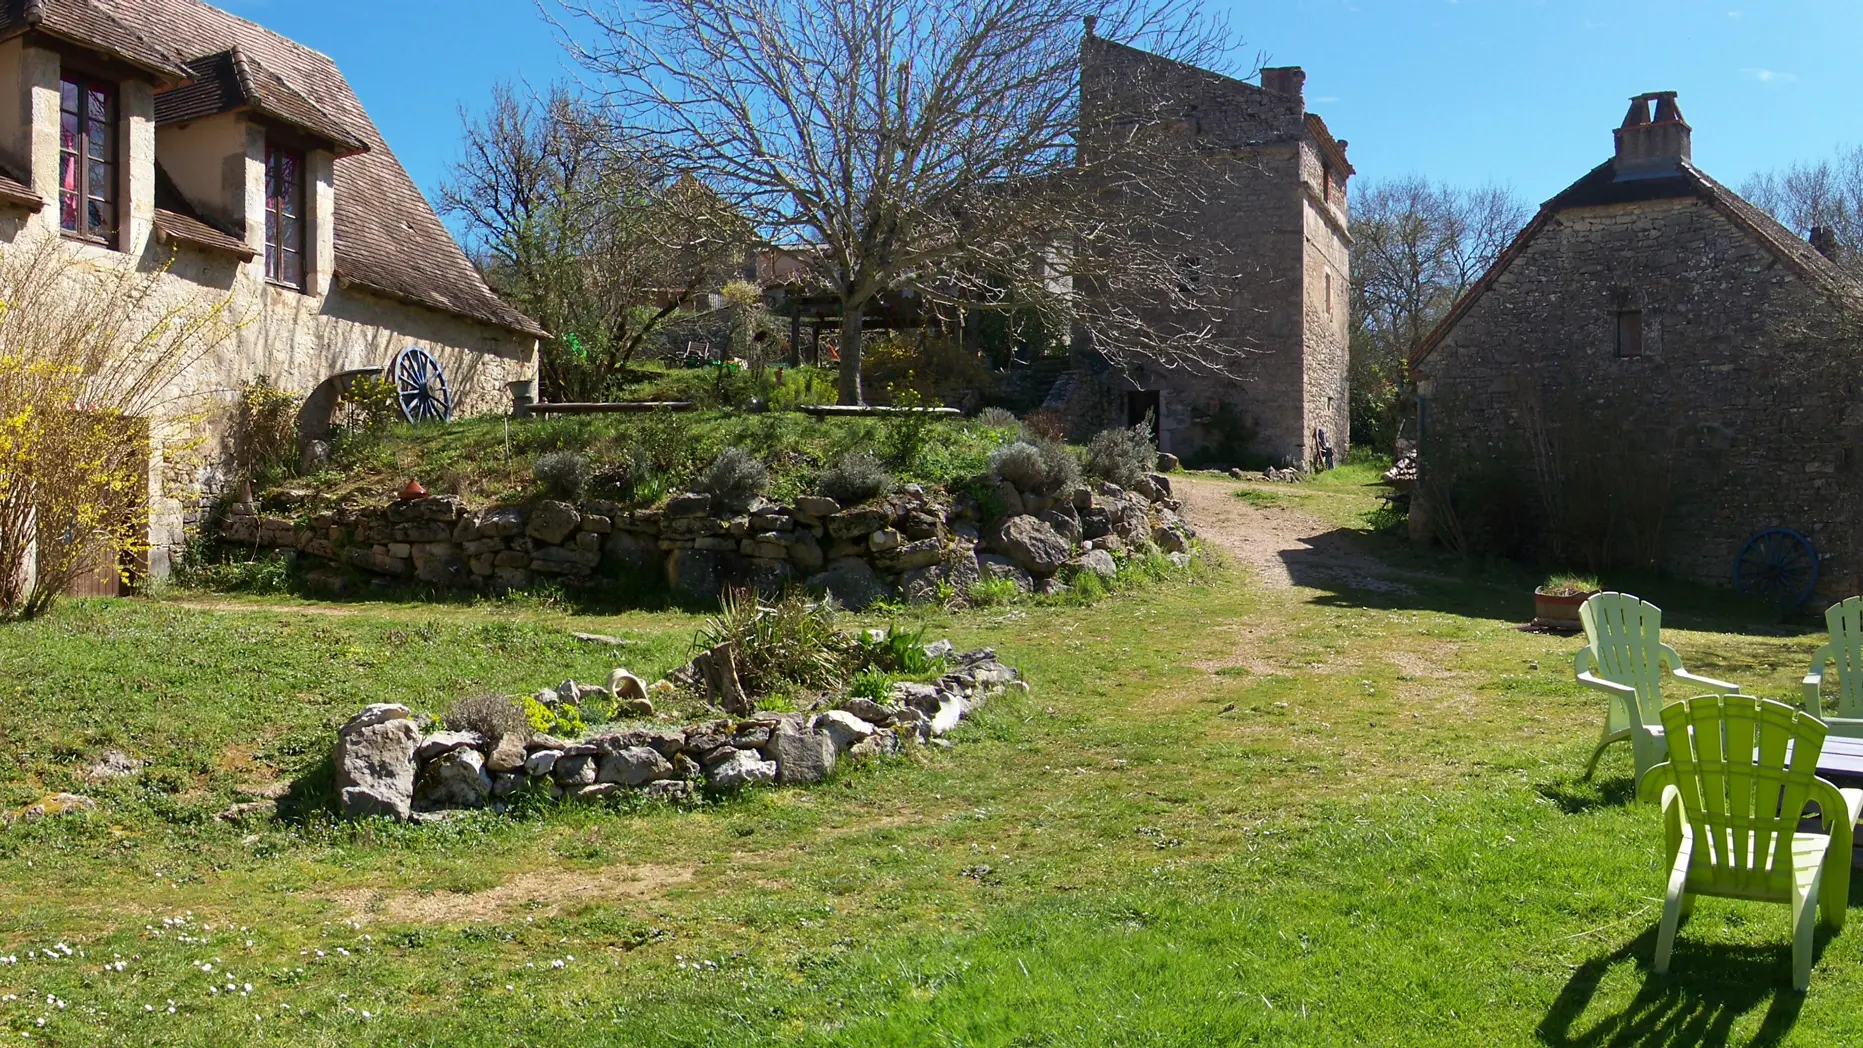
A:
(86, 22)
(176, 218)
(230, 80)
(388, 239)
(14, 192)
(1601, 188)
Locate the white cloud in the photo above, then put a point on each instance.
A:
(1770, 76)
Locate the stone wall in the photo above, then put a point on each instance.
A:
(911, 544)
(1743, 413)
(389, 764)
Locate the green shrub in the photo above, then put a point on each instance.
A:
(369, 405)
(871, 684)
(1566, 584)
(561, 474)
(1043, 467)
(987, 592)
(265, 432)
(563, 721)
(898, 650)
(855, 479)
(1122, 456)
(735, 477)
(493, 716)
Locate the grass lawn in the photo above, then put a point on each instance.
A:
(1227, 814)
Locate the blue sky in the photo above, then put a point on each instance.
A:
(1520, 92)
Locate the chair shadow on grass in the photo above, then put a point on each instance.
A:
(1576, 796)
(1708, 988)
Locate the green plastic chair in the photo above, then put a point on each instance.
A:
(1624, 660)
(1846, 650)
(1740, 773)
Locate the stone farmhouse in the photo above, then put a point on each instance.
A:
(1280, 217)
(151, 133)
(1653, 372)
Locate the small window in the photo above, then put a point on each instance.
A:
(284, 216)
(1326, 182)
(1190, 274)
(1329, 293)
(87, 159)
(1630, 333)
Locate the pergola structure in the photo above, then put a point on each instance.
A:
(890, 311)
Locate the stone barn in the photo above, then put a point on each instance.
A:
(1652, 374)
(1279, 216)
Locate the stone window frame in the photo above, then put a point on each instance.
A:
(79, 150)
(1629, 333)
(285, 210)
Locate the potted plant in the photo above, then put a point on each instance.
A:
(1557, 600)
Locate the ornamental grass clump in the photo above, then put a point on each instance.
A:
(1042, 467)
(89, 356)
(858, 477)
(1122, 456)
(794, 642)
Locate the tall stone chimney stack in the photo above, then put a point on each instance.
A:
(1285, 80)
(1652, 147)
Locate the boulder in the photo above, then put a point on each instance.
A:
(850, 581)
(843, 728)
(994, 566)
(669, 790)
(54, 805)
(689, 504)
(802, 755)
(441, 742)
(634, 766)
(1170, 539)
(739, 769)
(456, 779)
(883, 741)
(541, 762)
(552, 521)
(578, 770)
(375, 762)
(911, 556)
(504, 784)
(869, 710)
(1097, 561)
(631, 549)
(1161, 482)
(884, 540)
(696, 573)
(1064, 522)
(861, 521)
(804, 551)
(112, 764)
(817, 506)
(960, 571)
(1008, 501)
(913, 695)
(1032, 543)
(1168, 463)
(508, 755)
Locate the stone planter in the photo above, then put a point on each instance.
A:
(1558, 612)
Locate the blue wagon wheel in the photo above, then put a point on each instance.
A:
(420, 386)
(1779, 566)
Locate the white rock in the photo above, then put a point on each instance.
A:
(844, 728)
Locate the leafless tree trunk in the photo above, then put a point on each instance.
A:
(929, 145)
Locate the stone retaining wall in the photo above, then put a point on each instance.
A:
(912, 544)
(386, 765)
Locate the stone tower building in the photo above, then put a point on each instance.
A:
(1651, 375)
(1277, 219)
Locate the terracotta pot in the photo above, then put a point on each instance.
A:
(1558, 611)
(413, 491)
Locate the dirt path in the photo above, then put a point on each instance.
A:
(1284, 547)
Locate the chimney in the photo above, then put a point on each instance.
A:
(1285, 80)
(1824, 239)
(1652, 147)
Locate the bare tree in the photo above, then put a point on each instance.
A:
(1416, 247)
(924, 145)
(1826, 195)
(589, 233)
